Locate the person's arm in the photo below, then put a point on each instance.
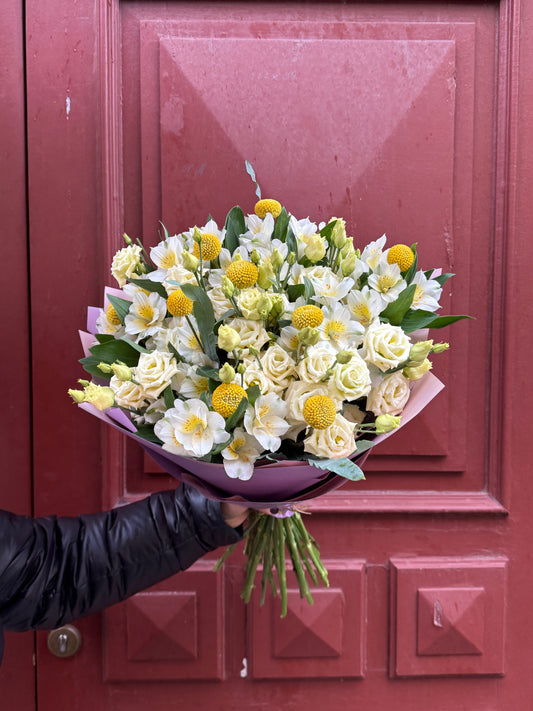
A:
(56, 569)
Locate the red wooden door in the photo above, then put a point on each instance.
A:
(407, 118)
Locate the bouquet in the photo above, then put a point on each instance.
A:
(260, 361)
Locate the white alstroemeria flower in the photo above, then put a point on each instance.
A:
(146, 314)
(190, 428)
(184, 340)
(427, 293)
(365, 305)
(258, 235)
(192, 385)
(331, 289)
(265, 421)
(340, 329)
(167, 254)
(387, 281)
(170, 278)
(210, 227)
(240, 455)
(302, 230)
(372, 252)
(288, 338)
(335, 441)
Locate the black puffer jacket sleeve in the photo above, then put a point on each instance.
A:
(56, 569)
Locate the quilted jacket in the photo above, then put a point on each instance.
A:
(56, 569)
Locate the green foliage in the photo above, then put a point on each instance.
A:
(342, 467)
(205, 318)
(235, 226)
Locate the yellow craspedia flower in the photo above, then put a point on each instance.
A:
(226, 398)
(264, 206)
(210, 247)
(402, 255)
(309, 315)
(178, 304)
(242, 274)
(319, 411)
(112, 315)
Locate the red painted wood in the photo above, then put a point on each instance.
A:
(454, 174)
(17, 676)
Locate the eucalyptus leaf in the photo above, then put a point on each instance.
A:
(396, 310)
(342, 467)
(363, 445)
(121, 306)
(235, 226)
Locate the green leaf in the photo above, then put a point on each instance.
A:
(309, 290)
(235, 226)
(442, 321)
(168, 397)
(343, 467)
(205, 371)
(104, 337)
(415, 319)
(147, 433)
(292, 245)
(396, 310)
(227, 314)
(90, 365)
(234, 419)
(294, 291)
(253, 392)
(205, 318)
(119, 349)
(121, 306)
(327, 230)
(149, 285)
(363, 445)
(410, 273)
(281, 225)
(222, 445)
(442, 278)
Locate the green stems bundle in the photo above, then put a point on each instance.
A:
(267, 540)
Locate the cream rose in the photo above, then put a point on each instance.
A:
(125, 262)
(155, 371)
(220, 303)
(351, 379)
(127, 393)
(389, 395)
(278, 366)
(252, 333)
(318, 360)
(298, 392)
(253, 375)
(335, 441)
(385, 346)
(247, 301)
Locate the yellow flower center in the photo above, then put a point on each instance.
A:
(304, 316)
(362, 313)
(169, 260)
(264, 206)
(419, 292)
(402, 255)
(193, 423)
(226, 398)
(210, 247)
(242, 274)
(178, 304)
(334, 329)
(319, 411)
(146, 312)
(112, 315)
(385, 282)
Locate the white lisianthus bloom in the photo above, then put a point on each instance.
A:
(339, 328)
(124, 263)
(220, 303)
(278, 366)
(253, 375)
(364, 305)
(266, 421)
(154, 412)
(190, 428)
(154, 372)
(385, 346)
(387, 281)
(352, 379)
(388, 395)
(252, 333)
(247, 301)
(372, 252)
(427, 293)
(334, 442)
(318, 360)
(128, 394)
(146, 314)
(240, 455)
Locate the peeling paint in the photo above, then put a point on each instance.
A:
(67, 107)
(244, 670)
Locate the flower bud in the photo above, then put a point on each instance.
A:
(264, 306)
(241, 369)
(227, 287)
(291, 259)
(255, 257)
(121, 370)
(276, 259)
(228, 338)
(309, 336)
(265, 275)
(440, 347)
(315, 248)
(102, 397)
(348, 264)
(105, 368)
(386, 423)
(278, 305)
(77, 395)
(226, 373)
(197, 235)
(418, 353)
(127, 239)
(190, 262)
(84, 383)
(348, 248)
(338, 235)
(344, 357)
(416, 372)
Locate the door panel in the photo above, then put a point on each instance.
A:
(403, 118)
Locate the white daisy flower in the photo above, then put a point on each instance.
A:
(265, 421)
(240, 455)
(190, 428)
(427, 293)
(146, 314)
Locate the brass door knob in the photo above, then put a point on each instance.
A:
(64, 641)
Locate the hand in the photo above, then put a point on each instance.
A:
(233, 514)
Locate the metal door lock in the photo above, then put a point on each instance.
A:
(64, 641)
